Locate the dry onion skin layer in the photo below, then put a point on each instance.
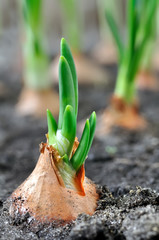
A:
(146, 80)
(44, 196)
(121, 114)
(57, 189)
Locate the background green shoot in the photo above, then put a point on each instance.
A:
(36, 62)
(131, 52)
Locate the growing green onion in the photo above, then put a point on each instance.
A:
(62, 135)
(36, 62)
(132, 53)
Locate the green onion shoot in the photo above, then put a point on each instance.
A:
(62, 135)
(132, 51)
(145, 77)
(36, 62)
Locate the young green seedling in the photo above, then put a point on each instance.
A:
(57, 190)
(36, 62)
(62, 135)
(37, 93)
(145, 77)
(131, 54)
(124, 109)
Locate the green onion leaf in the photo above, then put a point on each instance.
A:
(151, 7)
(78, 158)
(131, 16)
(69, 126)
(66, 52)
(115, 33)
(52, 127)
(92, 123)
(66, 88)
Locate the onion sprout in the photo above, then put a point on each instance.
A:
(62, 135)
(130, 55)
(146, 62)
(36, 62)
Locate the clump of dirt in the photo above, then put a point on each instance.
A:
(112, 219)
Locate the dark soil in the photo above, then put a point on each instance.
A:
(127, 162)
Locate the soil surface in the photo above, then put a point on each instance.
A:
(125, 165)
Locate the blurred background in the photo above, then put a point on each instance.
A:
(95, 36)
(12, 35)
(11, 29)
